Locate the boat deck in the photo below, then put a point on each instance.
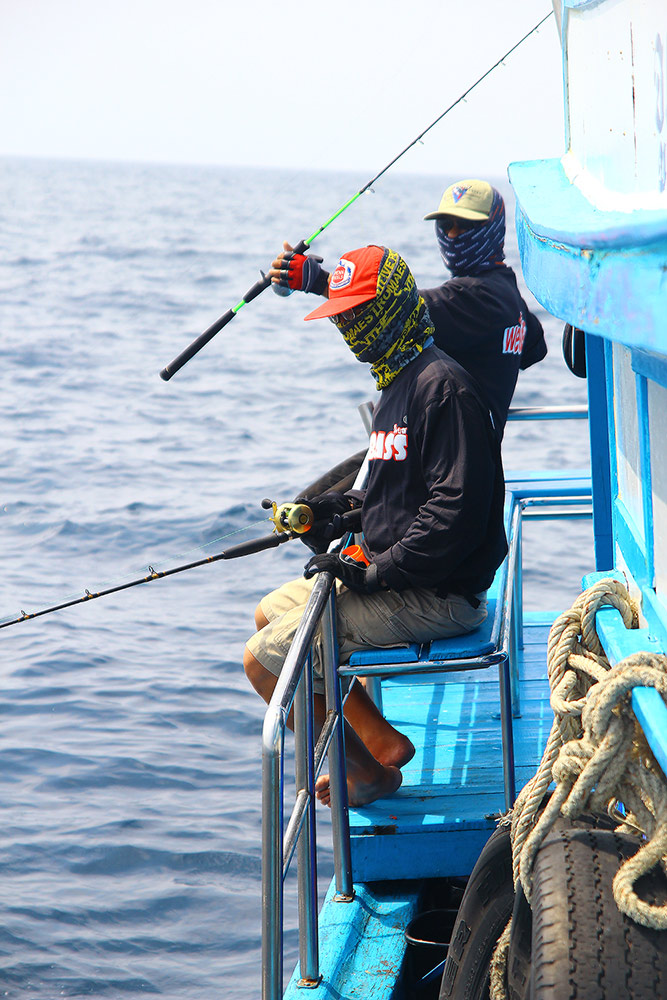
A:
(440, 818)
(453, 789)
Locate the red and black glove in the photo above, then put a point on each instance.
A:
(303, 274)
(355, 575)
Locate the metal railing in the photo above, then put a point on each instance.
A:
(294, 693)
(294, 690)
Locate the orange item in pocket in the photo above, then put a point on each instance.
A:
(356, 553)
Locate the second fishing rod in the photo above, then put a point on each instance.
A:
(174, 366)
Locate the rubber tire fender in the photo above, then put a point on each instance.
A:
(485, 908)
(520, 948)
(582, 945)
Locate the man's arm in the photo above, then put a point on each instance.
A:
(534, 346)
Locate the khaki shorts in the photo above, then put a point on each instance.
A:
(385, 619)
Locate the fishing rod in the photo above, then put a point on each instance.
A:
(290, 521)
(303, 245)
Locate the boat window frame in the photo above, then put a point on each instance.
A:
(638, 550)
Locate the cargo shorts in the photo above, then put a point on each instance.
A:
(385, 619)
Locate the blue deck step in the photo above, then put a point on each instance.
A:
(437, 822)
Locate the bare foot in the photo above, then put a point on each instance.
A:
(396, 753)
(362, 788)
(386, 744)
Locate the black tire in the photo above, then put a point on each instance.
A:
(485, 909)
(583, 947)
(521, 948)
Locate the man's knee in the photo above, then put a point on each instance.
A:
(261, 621)
(262, 680)
(251, 665)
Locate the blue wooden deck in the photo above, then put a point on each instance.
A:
(438, 821)
(440, 818)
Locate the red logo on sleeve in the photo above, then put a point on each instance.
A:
(514, 336)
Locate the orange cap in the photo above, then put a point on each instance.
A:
(354, 281)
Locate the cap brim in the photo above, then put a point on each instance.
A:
(338, 305)
(463, 213)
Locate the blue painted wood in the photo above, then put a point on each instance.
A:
(599, 437)
(557, 211)
(362, 943)
(601, 271)
(650, 366)
(438, 820)
(572, 479)
(619, 642)
(628, 539)
(646, 477)
(651, 711)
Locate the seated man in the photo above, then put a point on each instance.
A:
(432, 512)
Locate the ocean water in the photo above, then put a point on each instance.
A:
(130, 740)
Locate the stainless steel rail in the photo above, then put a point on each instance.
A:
(548, 413)
(278, 847)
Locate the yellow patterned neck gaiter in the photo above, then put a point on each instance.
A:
(389, 331)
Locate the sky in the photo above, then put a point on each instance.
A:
(280, 84)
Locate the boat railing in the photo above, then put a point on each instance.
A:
(548, 413)
(294, 692)
(284, 837)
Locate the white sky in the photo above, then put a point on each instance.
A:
(289, 84)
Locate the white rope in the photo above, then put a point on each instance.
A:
(596, 755)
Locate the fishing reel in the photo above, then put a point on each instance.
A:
(296, 518)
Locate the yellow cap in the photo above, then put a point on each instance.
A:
(470, 199)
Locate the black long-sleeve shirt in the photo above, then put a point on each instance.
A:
(432, 513)
(484, 324)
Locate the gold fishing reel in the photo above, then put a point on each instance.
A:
(296, 518)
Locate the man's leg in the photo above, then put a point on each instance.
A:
(367, 778)
(385, 743)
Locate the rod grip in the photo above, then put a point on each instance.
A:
(196, 346)
(256, 545)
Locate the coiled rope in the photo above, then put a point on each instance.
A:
(597, 756)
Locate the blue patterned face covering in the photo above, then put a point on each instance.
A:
(477, 249)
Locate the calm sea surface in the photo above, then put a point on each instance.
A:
(130, 740)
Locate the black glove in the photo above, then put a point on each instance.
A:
(327, 509)
(355, 575)
(302, 273)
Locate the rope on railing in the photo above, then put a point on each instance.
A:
(597, 756)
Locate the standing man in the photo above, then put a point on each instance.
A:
(478, 315)
(432, 512)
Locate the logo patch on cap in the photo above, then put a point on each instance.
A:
(458, 191)
(343, 274)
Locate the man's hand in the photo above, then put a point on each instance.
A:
(295, 271)
(327, 509)
(356, 576)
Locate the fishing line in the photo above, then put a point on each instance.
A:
(71, 599)
(303, 245)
